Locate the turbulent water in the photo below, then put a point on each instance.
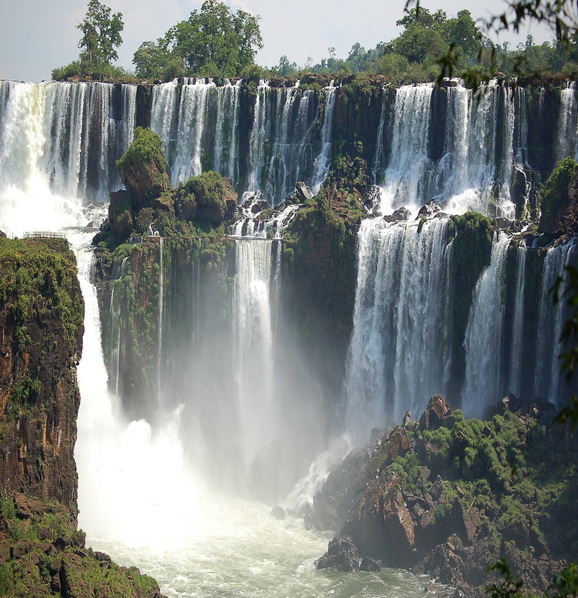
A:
(234, 406)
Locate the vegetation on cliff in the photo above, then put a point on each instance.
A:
(43, 554)
(452, 496)
(149, 205)
(559, 200)
(41, 325)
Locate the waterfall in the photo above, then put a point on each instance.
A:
(517, 343)
(58, 145)
(198, 123)
(281, 141)
(566, 141)
(549, 325)
(378, 167)
(409, 148)
(160, 323)
(254, 347)
(397, 356)
(483, 342)
(322, 162)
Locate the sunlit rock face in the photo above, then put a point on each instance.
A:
(41, 316)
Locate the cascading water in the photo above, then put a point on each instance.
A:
(254, 347)
(282, 137)
(568, 122)
(226, 419)
(409, 152)
(518, 324)
(396, 359)
(475, 169)
(484, 334)
(322, 162)
(198, 124)
(547, 382)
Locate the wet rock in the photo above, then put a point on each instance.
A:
(369, 564)
(437, 414)
(342, 555)
(428, 210)
(303, 192)
(278, 512)
(400, 215)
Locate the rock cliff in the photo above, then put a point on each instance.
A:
(41, 326)
(450, 497)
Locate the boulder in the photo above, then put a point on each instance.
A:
(278, 512)
(437, 414)
(400, 215)
(302, 192)
(369, 564)
(341, 555)
(143, 169)
(428, 210)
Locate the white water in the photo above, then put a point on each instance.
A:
(323, 162)
(469, 175)
(549, 325)
(516, 370)
(196, 541)
(484, 333)
(396, 358)
(254, 347)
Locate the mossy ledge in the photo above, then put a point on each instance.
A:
(41, 326)
(449, 496)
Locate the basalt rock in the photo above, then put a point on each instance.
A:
(143, 169)
(341, 555)
(425, 498)
(41, 326)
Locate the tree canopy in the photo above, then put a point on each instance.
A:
(214, 41)
(100, 34)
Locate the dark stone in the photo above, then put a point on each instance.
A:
(428, 210)
(400, 215)
(437, 414)
(369, 564)
(278, 512)
(342, 555)
(303, 192)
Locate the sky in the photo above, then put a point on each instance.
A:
(39, 35)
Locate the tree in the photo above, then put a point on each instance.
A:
(215, 41)
(100, 35)
(151, 61)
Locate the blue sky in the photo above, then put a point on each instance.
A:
(39, 35)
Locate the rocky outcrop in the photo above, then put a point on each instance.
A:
(559, 201)
(42, 553)
(441, 496)
(143, 169)
(41, 327)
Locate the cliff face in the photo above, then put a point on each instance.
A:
(41, 315)
(41, 326)
(450, 497)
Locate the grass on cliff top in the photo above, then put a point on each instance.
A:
(40, 275)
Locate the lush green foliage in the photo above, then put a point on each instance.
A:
(100, 34)
(212, 42)
(146, 147)
(39, 275)
(32, 560)
(555, 191)
(509, 469)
